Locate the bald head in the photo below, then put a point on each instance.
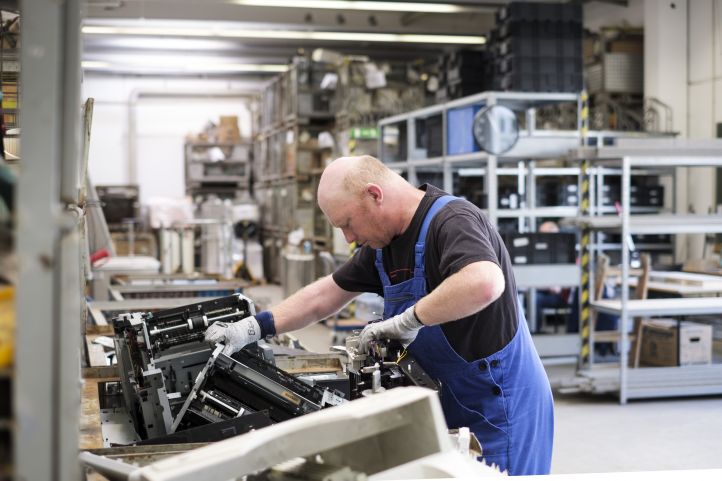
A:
(368, 201)
(347, 177)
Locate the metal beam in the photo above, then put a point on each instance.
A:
(47, 372)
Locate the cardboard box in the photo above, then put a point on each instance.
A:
(228, 131)
(629, 45)
(663, 344)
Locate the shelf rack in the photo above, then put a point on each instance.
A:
(533, 145)
(646, 382)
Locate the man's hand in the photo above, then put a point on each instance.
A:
(403, 327)
(234, 335)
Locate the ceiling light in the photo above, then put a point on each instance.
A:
(282, 34)
(170, 43)
(93, 64)
(361, 5)
(178, 63)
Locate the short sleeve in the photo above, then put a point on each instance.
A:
(358, 274)
(462, 237)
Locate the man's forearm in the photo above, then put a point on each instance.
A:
(462, 294)
(310, 304)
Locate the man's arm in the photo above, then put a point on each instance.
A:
(310, 304)
(462, 294)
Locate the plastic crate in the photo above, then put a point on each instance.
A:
(540, 11)
(459, 134)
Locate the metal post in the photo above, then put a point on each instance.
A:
(623, 318)
(47, 372)
(492, 189)
(586, 329)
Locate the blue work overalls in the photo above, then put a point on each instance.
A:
(505, 398)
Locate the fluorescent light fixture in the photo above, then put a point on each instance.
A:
(366, 6)
(93, 64)
(170, 43)
(282, 34)
(178, 64)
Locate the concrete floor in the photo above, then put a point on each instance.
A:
(595, 434)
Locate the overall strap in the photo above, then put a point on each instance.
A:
(379, 263)
(419, 247)
(420, 243)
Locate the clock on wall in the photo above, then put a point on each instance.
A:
(496, 129)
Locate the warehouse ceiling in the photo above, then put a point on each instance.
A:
(252, 37)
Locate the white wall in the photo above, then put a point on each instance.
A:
(705, 106)
(683, 68)
(138, 136)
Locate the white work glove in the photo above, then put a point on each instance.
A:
(235, 335)
(403, 327)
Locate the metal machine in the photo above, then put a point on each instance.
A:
(399, 435)
(386, 365)
(172, 380)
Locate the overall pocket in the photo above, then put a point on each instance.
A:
(494, 439)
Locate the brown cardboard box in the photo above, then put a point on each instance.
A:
(228, 131)
(626, 46)
(664, 345)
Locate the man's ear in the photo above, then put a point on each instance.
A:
(375, 191)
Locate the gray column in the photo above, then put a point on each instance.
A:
(49, 296)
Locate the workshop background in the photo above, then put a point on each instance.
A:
(158, 154)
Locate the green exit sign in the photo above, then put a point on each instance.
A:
(364, 133)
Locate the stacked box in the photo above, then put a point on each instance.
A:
(541, 248)
(463, 73)
(667, 342)
(550, 194)
(538, 47)
(639, 195)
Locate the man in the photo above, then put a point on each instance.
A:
(449, 293)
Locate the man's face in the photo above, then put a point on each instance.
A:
(359, 222)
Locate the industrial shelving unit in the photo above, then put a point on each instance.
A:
(446, 160)
(645, 382)
(288, 159)
(599, 176)
(225, 177)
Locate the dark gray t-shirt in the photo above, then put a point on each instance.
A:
(459, 235)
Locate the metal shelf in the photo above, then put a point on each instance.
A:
(546, 275)
(654, 224)
(650, 382)
(639, 246)
(688, 306)
(633, 209)
(630, 156)
(218, 179)
(557, 211)
(657, 152)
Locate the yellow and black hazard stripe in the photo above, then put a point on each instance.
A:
(585, 241)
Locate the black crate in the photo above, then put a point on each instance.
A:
(434, 136)
(553, 248)
(541, 248)
(456, 90)
(470, 74)
(540, 29)
(532, 11)
(539, 47)
(537, 65)
(466, 58)
(541, 82)
(519, 247)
